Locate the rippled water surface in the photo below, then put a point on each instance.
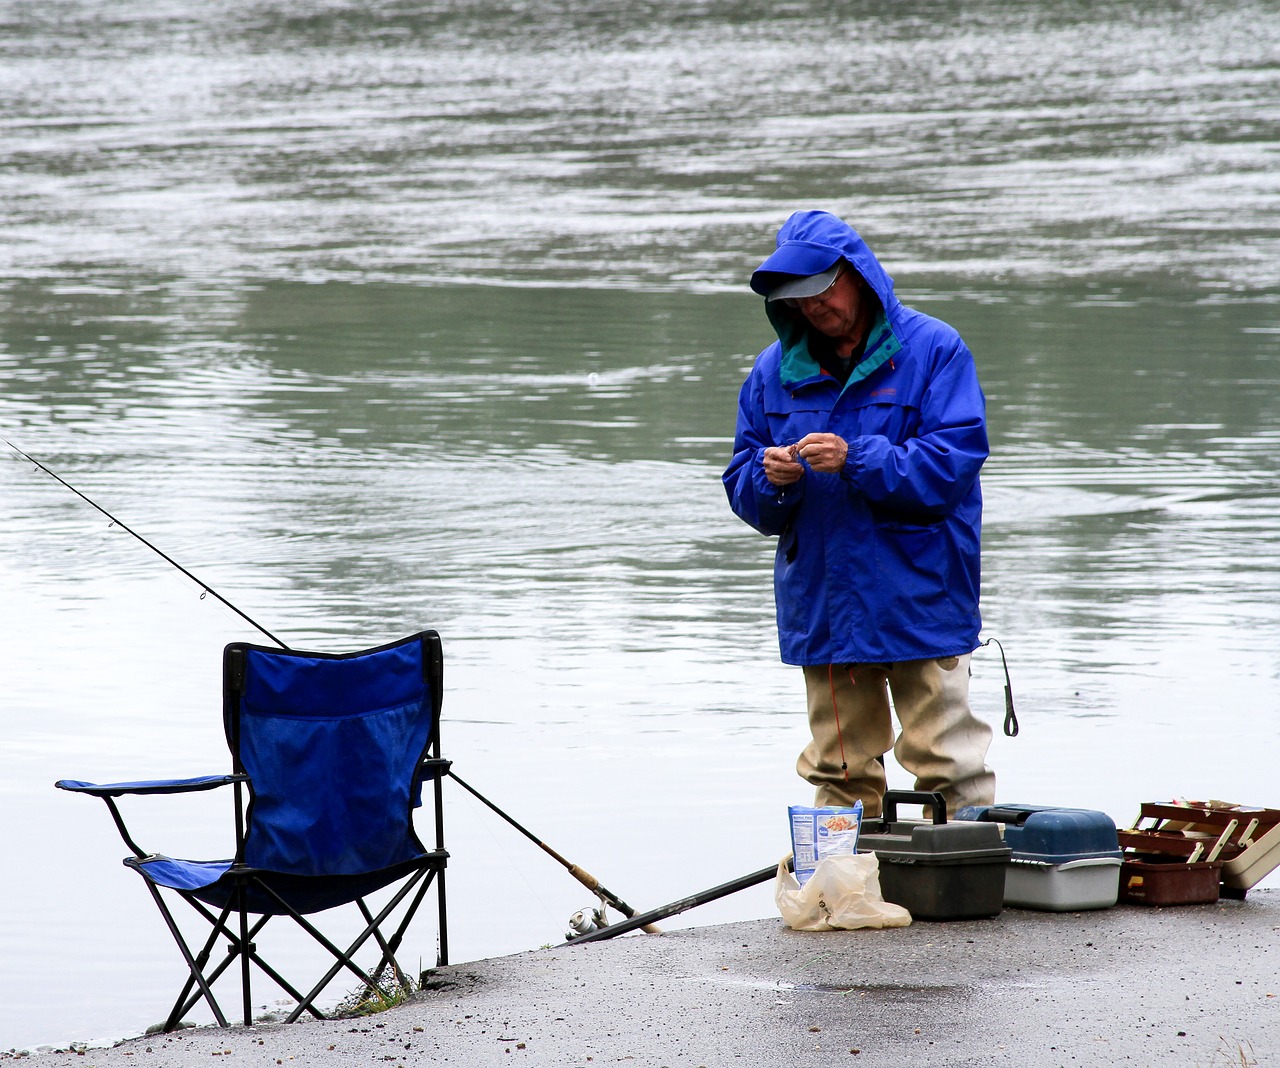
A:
(388, 316)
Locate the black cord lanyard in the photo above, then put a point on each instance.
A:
(1010, 716)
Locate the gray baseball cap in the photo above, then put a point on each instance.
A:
(806, 285)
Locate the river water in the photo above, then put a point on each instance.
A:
(395, 315)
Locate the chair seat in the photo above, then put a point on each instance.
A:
(217, 882)
(193, 875)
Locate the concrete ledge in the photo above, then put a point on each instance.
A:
(1197, 985)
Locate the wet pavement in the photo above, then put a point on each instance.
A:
(1192, 985)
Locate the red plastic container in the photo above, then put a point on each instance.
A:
(1157, 880)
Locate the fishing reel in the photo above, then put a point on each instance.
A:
(586, 920)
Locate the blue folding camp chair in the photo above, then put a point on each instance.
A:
(330, 754)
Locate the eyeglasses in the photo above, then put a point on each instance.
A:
(795, 302)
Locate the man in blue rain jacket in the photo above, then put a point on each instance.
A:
(860, 435)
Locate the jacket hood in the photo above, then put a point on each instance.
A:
(807, 243)
(811, 241)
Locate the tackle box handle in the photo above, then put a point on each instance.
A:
(892, 798)
(1015, 817)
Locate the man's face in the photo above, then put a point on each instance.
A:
(835, 312)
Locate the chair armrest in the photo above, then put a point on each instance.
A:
(152, 786)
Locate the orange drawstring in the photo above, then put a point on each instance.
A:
(831, 677)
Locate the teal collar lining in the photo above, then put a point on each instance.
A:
(799, 366)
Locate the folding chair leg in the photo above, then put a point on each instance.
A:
(388, 946)
(266, 969)
(197, 973)
(245, 950)
(391, 946)
(187, 999)
(343, 960)
(442, 957)
(241, 947)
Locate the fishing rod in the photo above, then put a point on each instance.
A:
(204, 586)
(584, 877)
(755, 878)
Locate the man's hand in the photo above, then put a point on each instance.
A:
(822, 452)
(781, 466)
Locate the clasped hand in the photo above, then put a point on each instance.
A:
(822, 452)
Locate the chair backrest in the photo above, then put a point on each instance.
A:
(332, 745)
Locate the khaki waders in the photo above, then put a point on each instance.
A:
(942, 743)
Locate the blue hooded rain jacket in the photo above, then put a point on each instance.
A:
(879, 563)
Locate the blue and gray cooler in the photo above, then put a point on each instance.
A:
(1062, 860)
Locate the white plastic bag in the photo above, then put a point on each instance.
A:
(842, 894)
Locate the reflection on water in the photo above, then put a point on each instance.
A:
(426, 315)
(542, 142)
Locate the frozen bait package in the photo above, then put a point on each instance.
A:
(822, 832)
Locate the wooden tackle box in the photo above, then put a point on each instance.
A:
(1190, 852)
(1252, 851)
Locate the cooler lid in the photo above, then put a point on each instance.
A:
(1047, 833)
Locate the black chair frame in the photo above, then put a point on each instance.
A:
(253, 896)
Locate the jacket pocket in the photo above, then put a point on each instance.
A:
(907, 530)
(890, 418)
(913, 557)
(793, 415)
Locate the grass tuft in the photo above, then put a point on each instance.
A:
(385, 992)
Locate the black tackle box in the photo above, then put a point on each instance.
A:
(936, 870)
